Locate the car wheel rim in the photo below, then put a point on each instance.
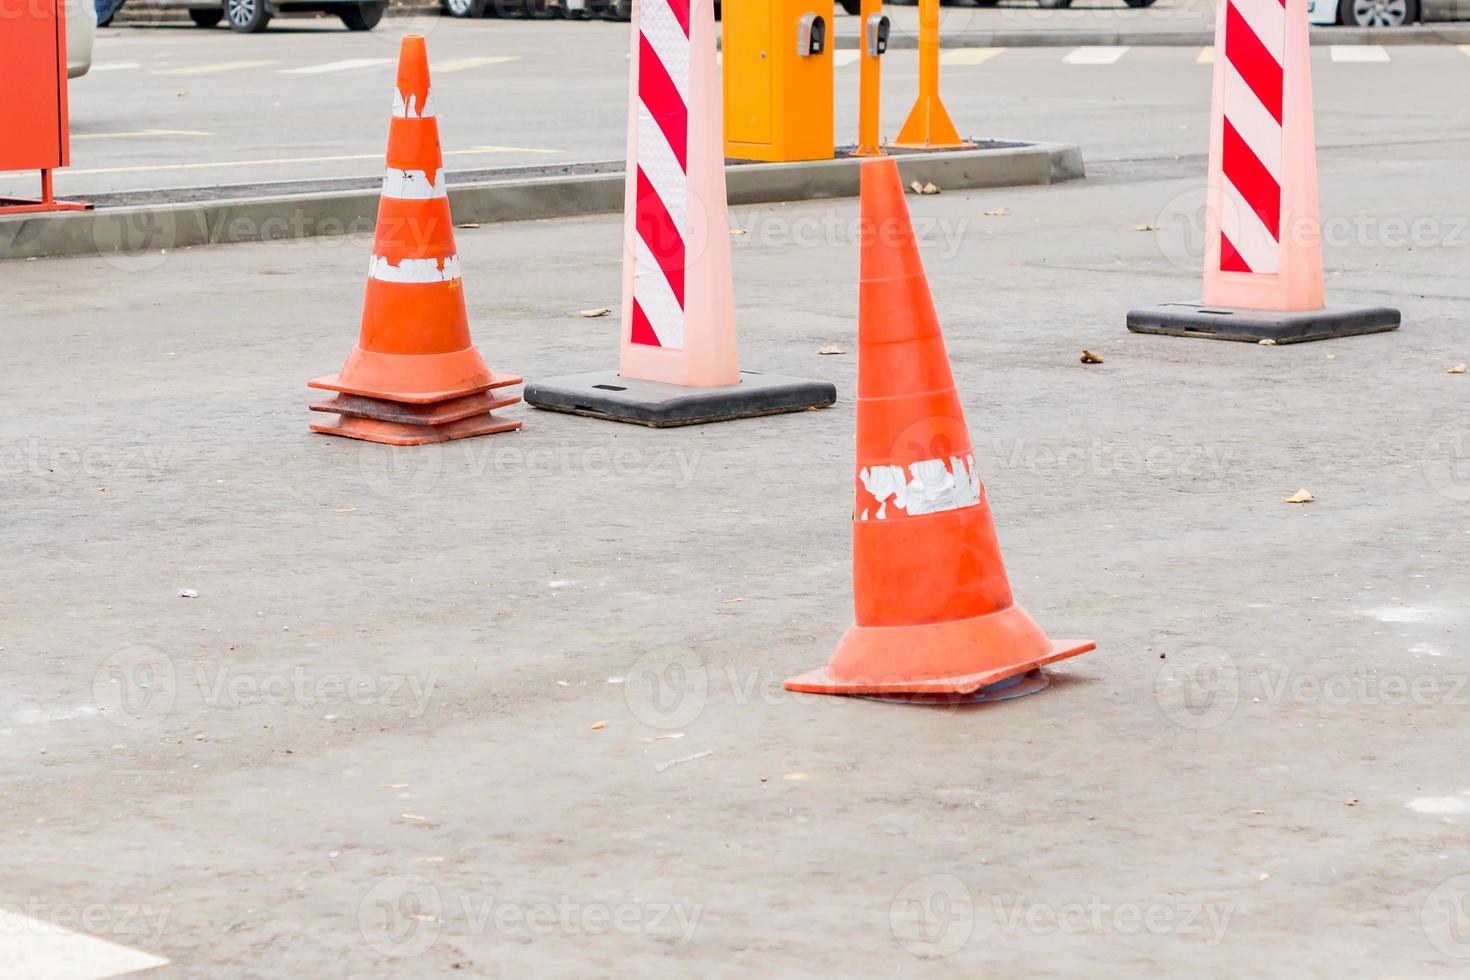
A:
(241, 11)
(1380, 13)
(459, 7)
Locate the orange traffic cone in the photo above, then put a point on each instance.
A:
(934, 609)
(415, 376)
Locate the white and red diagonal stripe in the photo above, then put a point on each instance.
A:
(662, 192)
(1250, 219)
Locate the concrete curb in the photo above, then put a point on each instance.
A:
(142, 228)
(1082, 37)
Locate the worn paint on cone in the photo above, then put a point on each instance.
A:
(934, 611)
(415, 374)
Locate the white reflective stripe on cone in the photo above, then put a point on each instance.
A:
(413, 185)
(934, 486)
(408, 110)
(414, 270)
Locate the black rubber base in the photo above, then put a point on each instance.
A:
(1254, 326)
(607, 395)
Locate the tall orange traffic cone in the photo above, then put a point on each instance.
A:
(934, 609)
(415, 376)
(1263, 250)
(678, 363)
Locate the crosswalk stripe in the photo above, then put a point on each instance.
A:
(214, 69)
(1206, 56)
(968, 56)
(115, 66)
(846, 56)
(33, 948)
(1465, 48)
(1359, 52)
(465, 64)
(348, 65)
(1096, 55)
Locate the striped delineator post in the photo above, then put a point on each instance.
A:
(678, 362)
(415, 376)
(1262, 229)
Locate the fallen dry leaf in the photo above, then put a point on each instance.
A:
(598, 726)
(1257, 813)
(916, 187)
(919, 187)
(1458, 368)
(469, 224)
(1088, 357)
(1302, 496)
(1351, 803)
(1263, 877)
(413, 818)
(1145, 227)
(997, 212)
(1268, 342)
(600, 311)
(829, 349)
(739, 232)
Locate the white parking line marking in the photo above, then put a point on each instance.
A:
(1358, 52)
(465, 64)
(968, 56)
(214, 69)
(845, 57)
(1206, 56)
(139, 132)
(278, 161)
(115, 66)
(348, 65)
(1098, 55)
(35, 950)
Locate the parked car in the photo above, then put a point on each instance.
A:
(1385, 13)
(253, 16)
(81, 28)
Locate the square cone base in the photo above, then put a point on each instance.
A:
(412, 434)
(608, 395)
(1254, 326)
(897, 686)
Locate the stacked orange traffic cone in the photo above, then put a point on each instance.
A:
(415, 376)
(934, 609)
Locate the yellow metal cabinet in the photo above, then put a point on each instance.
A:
(778, 79)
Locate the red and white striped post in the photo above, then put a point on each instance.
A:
(1263, 247)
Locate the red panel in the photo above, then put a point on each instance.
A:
(33, 75)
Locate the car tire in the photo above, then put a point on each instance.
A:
(1055, 4)
(207, 16)
(986, 3)
(247, 16)
(1376, 13)
(458, 8)
(1139, 3)
(362, 16)
(619, 10)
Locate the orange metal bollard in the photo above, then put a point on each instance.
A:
(874, 46)
(928, 126)
(33, 129)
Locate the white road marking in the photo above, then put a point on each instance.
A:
(1097, 55)
(968, 56)
(465, 64)
(846, 56)
(279, 161)
(115, 66)
(35, 950)
(1206, 56)
(349, 65)
(1359, 52)
(217, 68)
(1465, 48)
(138, 132)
